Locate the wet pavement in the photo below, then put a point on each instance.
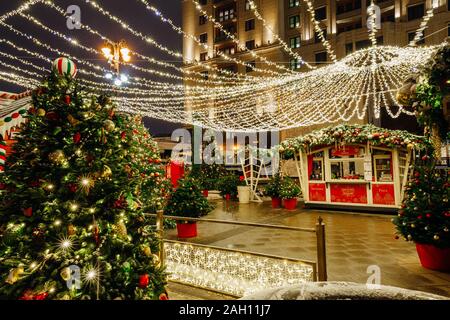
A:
(354, 242)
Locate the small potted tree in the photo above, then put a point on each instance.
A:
(424, 216)
(228, 186)
(289, 192)
(273, 189)
(188, 201)
(243, 190)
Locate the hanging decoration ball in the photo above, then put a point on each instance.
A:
(144, 280)
(109, 125)
(71, 230)
(41, 112)
(57, 157)
(14, 275)
(77, 138)
(436, 237)
(28, 212)
(67, 99)
(106, 172)
(64, 66)
(65, 273)
(147, 251)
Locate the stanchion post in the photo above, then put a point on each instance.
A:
(160, 230)
(321, 250)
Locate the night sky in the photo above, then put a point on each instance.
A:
(131, 11)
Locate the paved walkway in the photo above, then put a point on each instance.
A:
(354, 242)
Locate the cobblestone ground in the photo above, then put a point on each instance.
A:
(354, 241)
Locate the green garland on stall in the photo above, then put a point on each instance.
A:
(353, 134)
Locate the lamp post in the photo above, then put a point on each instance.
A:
(116, 53)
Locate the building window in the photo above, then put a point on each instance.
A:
(320, 57)
(226, 14)
(251, 66)
(203, 56)
(317, 38)
(295, 64)
(228, 50)
(348, 48)
(294, 21)
(205, 75)
(202, 20)
(320, 14)
(411, 36)
(250, 45)
(203, 2)
(294, 3)
(204, 38)
(250, 25)
(347, 6)
(247, 5)
(349, 26)
(416, 11)
(294, 42)
(448, 29)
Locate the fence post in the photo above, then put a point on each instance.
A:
(321, 250)
(160, 230)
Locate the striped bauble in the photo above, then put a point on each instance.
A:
(65, 66)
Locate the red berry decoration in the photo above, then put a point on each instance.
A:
(77, 138)
(72, 187)
(144, 280)
(28, 212)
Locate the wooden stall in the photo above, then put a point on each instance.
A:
(354, 165)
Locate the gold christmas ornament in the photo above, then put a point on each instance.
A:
(41, 112)
(121, 229)
(71, 230)
(147, 251)
(109, 125)
(57, 157)
(106, 173)
(14, 275)
(73, 122)
(65, 273)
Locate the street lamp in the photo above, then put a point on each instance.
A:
(116, 53)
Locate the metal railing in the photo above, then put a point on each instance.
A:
(319, 266)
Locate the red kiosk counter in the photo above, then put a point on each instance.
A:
(354, 165)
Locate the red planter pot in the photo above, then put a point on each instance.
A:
(434, 258)
(290, 204)
(205, 193)
(228, 197)
(187, 230)
(276, 202)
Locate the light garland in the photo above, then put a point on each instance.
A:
(204, 45)
(232, 37)
(423, 25)
(231, 272)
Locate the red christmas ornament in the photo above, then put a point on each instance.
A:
(396, 237)
(67, 99)
(241, 178)
(417, 174)
(77, 138)
(425, 158)
(123, 135)
(27, 295)
(163, 296)
(41, 296)
(28, 212)
(144, 280)
(2, 186)
(428, 215)
(35, 184)
(53, 116)
(419, 217)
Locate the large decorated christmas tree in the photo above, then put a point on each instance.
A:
(75, 189)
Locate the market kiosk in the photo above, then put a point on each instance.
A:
(351, 165)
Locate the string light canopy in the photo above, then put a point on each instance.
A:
(346, 89)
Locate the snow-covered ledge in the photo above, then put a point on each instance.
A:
(341, 291)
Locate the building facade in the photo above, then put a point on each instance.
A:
(343, 22)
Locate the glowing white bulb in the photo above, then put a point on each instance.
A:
(124, 78)
(109, 76)
(118, 82)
